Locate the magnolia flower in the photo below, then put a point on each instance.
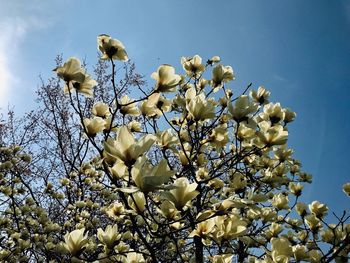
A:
(134, 257)
(134, 126)
(260, 96)
(75, 241)
(300, 252)
(166, 79)
(130, 108)
(183, 193)
(168, 210)
(84, 87)
(100, 109)
(193, 65)
(219, 137)
(198, 107)
(225, 258)
(229, 227)
(295, 189)
(71, 71)
(272, 113)
(94, 125)
(270, 136)
(155, 105)
(242, 109)
(214, 59)
(318, 209)
(346, 189)
(281, 249)
(220, 75)
(137, 202)
(167, 139)
(312, 221)
(203, 229)
(147, 177)
(126, 148)
(301, 208)
(116, 211)
(315, 256)
(289, 115)
(280, 201)
(111, 48)
(75, 78)
(109, 237)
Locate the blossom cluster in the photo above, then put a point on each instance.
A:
(191, 171)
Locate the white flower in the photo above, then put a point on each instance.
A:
(193, 65)
(166, 78)
(109, 236)
(183, 193)
(126, 148)
(75, 78)
(220, 75)
(147, 177)
(111, 48)
(75, 241)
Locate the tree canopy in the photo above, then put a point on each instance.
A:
(110, 169)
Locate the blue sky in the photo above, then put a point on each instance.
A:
(299, 50)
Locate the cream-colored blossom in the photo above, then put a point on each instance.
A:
(166, 79)
(318, 209)
(198, 106)
(289, 115)
(314, 256)
(167, 139)
(130, 108)
(137, 201)
(260, 96)
(111, 48)
(346, 189)
(312, 221)
(203, 229)
(116, 211)
(148, 177)
(168, 210)
(134, 257)
(300, 252)
(214, 59)
(219, 137)
(229, 227)
(193, 66)
(126, 148)
(281, 250)
(242, 109)
(71, 71)
(269, 136)
(75, 241)
(295, 188)
(273, 113)
(224, 258)
(109, 236)
(155, 105)
(134, 126)
(75, 77)
(84, 87)
(183, 193)
(94, 125)
(280, 201)
(301, 208)
(101, 109)
(220, 75)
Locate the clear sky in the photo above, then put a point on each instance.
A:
(299, 50)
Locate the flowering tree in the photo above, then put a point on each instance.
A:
(186, 172)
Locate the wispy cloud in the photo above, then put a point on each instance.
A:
(13, 30)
